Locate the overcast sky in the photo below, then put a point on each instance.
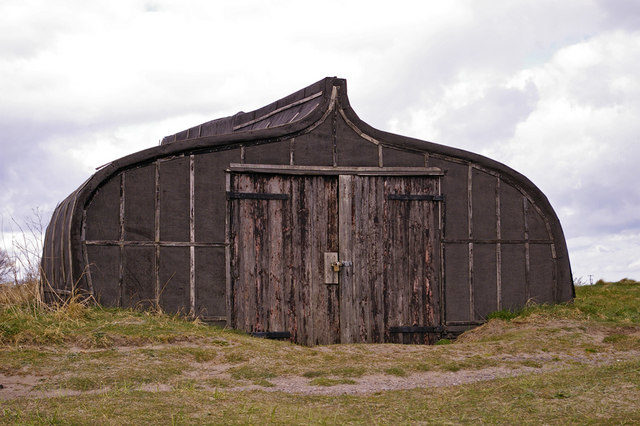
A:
(550, 88)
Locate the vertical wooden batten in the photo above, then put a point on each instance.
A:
(334, 137)
(85, 255)
(291, 151)
(72, 282)
(498, 248)
(52, 279)
(192, 239)
(63, 266)
(227, 254)
(527, 263)
(157, 233)
(470, 236)
(441, 228)
(121, 266)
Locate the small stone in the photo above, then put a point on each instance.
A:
(1, 386)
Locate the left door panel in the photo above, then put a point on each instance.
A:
(279, 229)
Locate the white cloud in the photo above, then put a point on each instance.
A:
(612, 257)
(550, 88)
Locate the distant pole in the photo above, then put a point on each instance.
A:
(591, 279)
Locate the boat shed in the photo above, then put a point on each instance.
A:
(298, 220)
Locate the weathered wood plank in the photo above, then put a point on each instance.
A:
(347, 301)
(333, 292)
(314, 317)
(377, 262)
(276, 259)
(306, 248)
(288, 250)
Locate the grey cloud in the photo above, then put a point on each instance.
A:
(490, 119)
(623, 14)
(501, 39)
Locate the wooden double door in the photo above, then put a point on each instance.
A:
(288, 234)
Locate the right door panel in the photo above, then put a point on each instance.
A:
(389, 231)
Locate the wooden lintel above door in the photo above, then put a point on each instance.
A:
(327, 170)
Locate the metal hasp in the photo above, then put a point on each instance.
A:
(330, 272)
(332, 267)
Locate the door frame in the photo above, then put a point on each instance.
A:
(241, 168)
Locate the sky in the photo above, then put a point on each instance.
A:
(549, 88)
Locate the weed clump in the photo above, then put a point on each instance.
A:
(505, 314)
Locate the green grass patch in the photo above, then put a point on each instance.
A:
(530, 363)
(504, 314)
(195, 353)
(475, 362)
(250, 373)
(623, 342)
(216, 382)
(396, 371)
(235, 358)
(423, 366)
(351, 371)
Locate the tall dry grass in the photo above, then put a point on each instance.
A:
(12, 295)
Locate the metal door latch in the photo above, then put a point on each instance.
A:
(333, 267)
(337, 265)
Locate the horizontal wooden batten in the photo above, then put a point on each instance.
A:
(255, 196)
(417, 329)
(151, 243)
(415, 197)
(313, 170)
(494, 241)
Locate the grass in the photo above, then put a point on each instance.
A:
(326, 381)
(575, 395)
(396, 371)
(135, 367)
(616, 302)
